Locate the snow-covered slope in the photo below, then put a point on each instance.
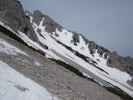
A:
(61, 43)
(14, 86)
(67, 46)
(41, 33)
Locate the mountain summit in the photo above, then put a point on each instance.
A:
(53, 43)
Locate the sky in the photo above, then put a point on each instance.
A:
(107, 22)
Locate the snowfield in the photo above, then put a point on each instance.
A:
(14, 86)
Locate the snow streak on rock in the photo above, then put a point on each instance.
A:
(9, 49)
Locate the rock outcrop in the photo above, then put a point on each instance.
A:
(12, 14)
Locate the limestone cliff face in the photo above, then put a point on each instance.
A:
(12, 14)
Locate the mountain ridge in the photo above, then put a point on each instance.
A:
(92, 46)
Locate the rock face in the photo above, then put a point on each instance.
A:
(12, 14)
(50, 24)
(123, 63)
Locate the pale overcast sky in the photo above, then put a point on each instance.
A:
(107, 22)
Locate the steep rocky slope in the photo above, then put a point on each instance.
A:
(12, 14)
(56, 79)
(70, 50)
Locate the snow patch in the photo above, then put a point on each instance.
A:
(18, 87)
(9, 49)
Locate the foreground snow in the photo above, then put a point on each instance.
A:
(14, 86)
